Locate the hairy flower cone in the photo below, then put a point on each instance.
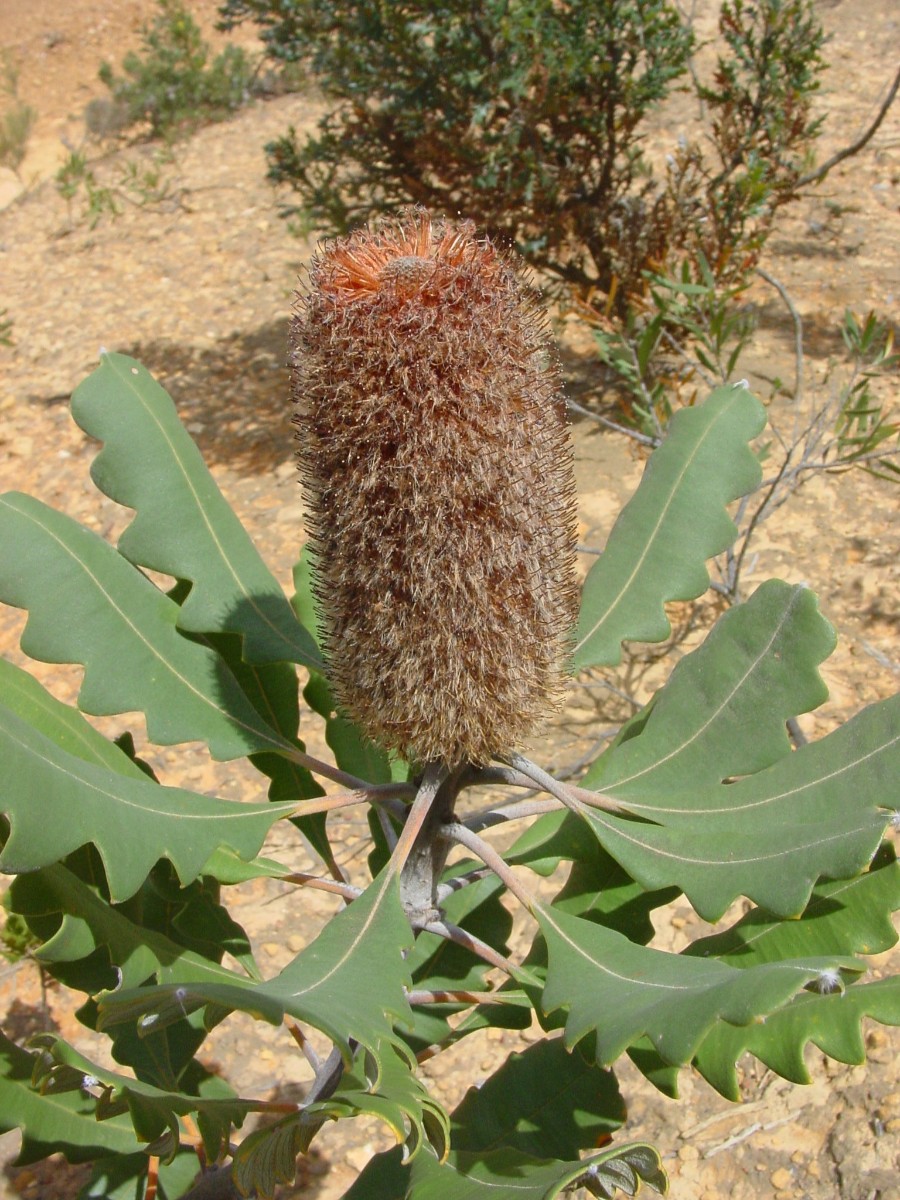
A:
(439, 484)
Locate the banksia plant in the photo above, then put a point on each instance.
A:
(439, 486)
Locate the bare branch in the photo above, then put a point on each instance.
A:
(434, 775)
(305, 1045)
(453, 933)
(462, 997)
(322, 885)
(462, 881)
(465, 837)
(854, 147)
(643, 438)
(336, 775)
(383, 795)
(798, 330)
(499, 815)
(572, 797)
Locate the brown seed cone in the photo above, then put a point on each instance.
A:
(438, 477)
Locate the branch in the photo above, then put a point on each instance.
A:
(465, 837)
(327, 771)
(458, 882)
(383, 795)
(305, 1045)
(498, 815)
(643, 438)
(454, 933)
(434, 775)
(854, 147)
(323, 885)
(463, 997)
(572, 797)
(798, 330)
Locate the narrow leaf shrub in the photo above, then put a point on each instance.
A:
(174, 84)
(433, 450)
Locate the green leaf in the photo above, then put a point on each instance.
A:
(658, 546)
(508, 1175)
(723, 710)
(64, 725)
(132, 821)
(831, 1022)
(400, 1101)
(348, 982)
(183, 525)
(52, 1123)
(843, 916)
(620, 992)
(122, 629)
(59, 1068)
(89, 923)
(816, 812)
(597, 888)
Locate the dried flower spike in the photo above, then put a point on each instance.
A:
(438, 478)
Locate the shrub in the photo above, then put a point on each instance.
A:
(147, 182)
(125, 881)
(172, 86)
(17, 121)
(533, 119)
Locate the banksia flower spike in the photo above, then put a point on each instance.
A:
(439, 486)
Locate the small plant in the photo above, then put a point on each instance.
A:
(144, 183)
(419, 361)
(174, 85)
(6, 328)
(17, 121)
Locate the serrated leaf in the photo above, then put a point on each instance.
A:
(723, 710)
(52, 1123)
(183, 525)
(89, 923)
(132, 821)
(657, 548)
(845, 916)
(267, 1157)
(819, 811)
(507, 1175)
(152, 1110)
(122, 629)
(597, 888)
(831, 1022)
(64, 725)
(348, 982)
(225, 866)
(620, 992)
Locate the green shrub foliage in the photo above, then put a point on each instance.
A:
(174, 83)
(533, 118)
